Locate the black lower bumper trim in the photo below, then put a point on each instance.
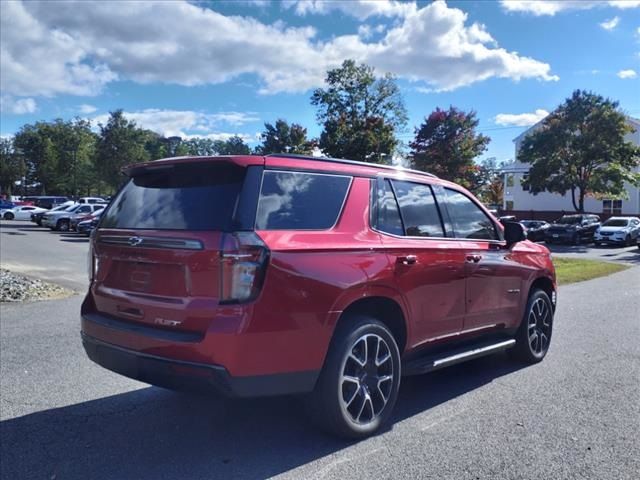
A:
(181, 375)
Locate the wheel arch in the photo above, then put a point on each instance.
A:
(546, 285)
(383, 308)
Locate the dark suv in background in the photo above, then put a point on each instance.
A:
(574, 229)
(273, 275)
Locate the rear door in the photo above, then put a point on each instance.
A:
(429, 268)
(157, 248)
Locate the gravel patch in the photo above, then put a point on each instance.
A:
(17, 288)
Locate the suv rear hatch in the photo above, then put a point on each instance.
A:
(177, 241)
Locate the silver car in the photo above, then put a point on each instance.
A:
(618, 231)
(61, 220)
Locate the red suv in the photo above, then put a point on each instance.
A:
(277, 275)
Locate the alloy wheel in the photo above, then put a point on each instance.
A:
(367, 379)
(539, 323)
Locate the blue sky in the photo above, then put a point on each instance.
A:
(220, 68)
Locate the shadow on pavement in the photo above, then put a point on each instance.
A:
(153, 433)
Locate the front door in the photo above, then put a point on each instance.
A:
(493, 279)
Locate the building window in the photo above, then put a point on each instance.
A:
(508, 205)
(509, 180)
(612, 207)
(525, 186)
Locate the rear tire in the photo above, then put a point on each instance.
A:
(534, 334)
(62, 225)
(358, 386)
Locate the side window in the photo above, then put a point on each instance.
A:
(388, 214)
(300, 201)
(469, 221)
(418, 209)
(84, 209)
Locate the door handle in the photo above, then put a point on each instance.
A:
(474, 258)
(407, 259)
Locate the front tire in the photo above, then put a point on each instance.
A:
(9, 216)
(358, 386)
(534, 334)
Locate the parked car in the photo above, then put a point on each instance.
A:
(87, 226)
(536, 229)
(83, 217)
(37, 217)
(22, 212)
(49, 202)
(574, 229)
(61, 220)
(91, 200)
(618, 230)
(325, 277)
(6, 205)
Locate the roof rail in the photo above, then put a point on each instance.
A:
(350, 162)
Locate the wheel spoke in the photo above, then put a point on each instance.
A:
(353, 397)
(349, 378)
(364, 403)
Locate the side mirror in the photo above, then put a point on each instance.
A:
(513, 233)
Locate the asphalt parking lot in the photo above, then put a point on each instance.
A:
(573, 416)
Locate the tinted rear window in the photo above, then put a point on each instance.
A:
(300, 201)
(182, 197)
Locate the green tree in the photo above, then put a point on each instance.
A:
(490, 181)
(120, 143)
(284, 138)
(580, 148)
(12, 166)
(33, 143)
(202, 147)
(233, 146)
(446, 144)
(360, 113)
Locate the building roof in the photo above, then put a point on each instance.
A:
(534, 127)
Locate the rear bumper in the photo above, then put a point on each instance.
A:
(183, 375)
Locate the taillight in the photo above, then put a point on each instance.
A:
(243, 262)
(92, 261)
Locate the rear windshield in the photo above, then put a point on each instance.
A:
(178, 197)
(569, 220)
(616, 222)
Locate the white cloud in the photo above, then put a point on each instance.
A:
(521, 119)
(86, 108)
(360, 9)
(627, 74)
(185, 123)
(19, 106)
(610, 24)
(78, 47)
(551, 7)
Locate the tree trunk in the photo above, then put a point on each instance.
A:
(581, 200)
(573, 200)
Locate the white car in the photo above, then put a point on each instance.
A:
(618, 230)
(22, 212)
(91, 200)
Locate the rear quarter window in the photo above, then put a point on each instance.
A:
(300, 201)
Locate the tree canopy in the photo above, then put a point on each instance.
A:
(284, 138)
(360, 113)
(446, 144)
(580, 148)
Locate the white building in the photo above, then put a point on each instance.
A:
(517, 198)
